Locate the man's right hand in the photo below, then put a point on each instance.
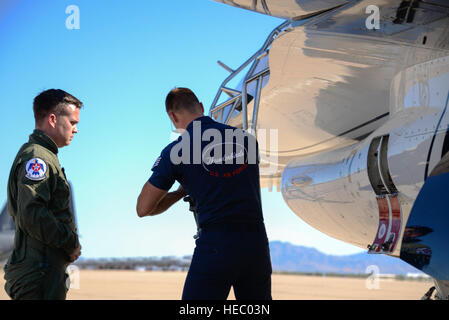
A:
(182, 193)
(75, 254)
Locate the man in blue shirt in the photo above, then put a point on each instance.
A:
(217, 165)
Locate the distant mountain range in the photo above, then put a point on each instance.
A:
(292, 258)
(285, 257)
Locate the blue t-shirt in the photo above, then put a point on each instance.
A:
(218, 166)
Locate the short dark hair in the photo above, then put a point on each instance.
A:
(182, 99)
(53, 100)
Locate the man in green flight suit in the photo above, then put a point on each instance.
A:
(46, 239)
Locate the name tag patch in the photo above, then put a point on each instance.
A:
(36, 169)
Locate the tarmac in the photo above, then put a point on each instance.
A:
(168, 285)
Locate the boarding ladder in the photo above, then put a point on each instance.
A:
(223, 112)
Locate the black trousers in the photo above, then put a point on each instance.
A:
(230, 255)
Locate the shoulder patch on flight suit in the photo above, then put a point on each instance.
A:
(36, 169)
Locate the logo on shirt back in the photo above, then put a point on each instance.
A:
(36, 169)
(216, 155)
(222, 153)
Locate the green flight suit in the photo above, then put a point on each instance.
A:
(45, 231)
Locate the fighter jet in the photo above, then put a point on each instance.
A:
(349, 99)
(6, 234)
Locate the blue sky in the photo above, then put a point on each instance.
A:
(121, 63)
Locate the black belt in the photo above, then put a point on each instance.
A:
(234, 227)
